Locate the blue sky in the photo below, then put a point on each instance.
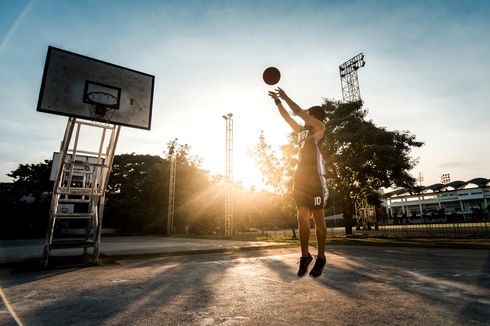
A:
(427, 72)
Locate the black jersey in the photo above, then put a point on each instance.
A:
(310, 183)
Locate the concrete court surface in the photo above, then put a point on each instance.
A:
(362, 285)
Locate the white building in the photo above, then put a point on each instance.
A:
(464, 199)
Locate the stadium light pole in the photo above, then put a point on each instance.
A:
(349, 79)
(351, 93)
(229, 175)
(171, 189)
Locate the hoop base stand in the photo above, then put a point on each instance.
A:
(79, 188)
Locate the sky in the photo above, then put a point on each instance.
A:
(426, 72)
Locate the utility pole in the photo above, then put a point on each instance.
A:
(229, 175)
(171, 189)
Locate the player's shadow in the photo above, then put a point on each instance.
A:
(436, 277)
(483, 281)
(439, 277)
(178, 288)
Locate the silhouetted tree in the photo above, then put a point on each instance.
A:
(362, 157)
(182, 153)
(24, 203)
(137, 194)
(277, 172)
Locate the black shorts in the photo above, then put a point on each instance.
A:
(310, 190)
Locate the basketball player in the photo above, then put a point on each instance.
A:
(310, 185)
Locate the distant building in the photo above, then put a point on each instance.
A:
(457, 198)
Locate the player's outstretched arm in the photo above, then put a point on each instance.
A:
(291, 122)
(317, 125)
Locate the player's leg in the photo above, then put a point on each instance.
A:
(304, 239)
(321, 230)
(301, 198)
(304, 229)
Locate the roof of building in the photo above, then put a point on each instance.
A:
(436, 187)
(480, 182)
(457, 184)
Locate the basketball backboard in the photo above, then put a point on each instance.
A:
(73, 82)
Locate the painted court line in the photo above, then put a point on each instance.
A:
(9, 308)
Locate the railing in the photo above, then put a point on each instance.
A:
(436, 230)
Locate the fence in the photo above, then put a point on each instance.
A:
(451, 226)
(436, 230)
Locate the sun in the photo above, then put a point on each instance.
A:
(247, 172)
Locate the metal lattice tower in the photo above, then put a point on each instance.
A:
(171, 191)
(229, 175)
(349, 80)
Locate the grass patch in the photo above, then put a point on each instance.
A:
(414, 242)
(241, 237)
(464, 243)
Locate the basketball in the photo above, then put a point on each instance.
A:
(271, 76)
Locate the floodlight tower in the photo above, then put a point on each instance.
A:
(445, 178)
(348, 78)
(420, 178)
(229, 175)
(171, 189)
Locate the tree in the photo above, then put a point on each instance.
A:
(182, 153)
(137, 193)
(32, 179)
(277, 172)
(136, 201)
(362, 157)
(25, 202)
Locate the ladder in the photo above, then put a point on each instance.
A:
(79, 187)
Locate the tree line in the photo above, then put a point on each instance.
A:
(361, 158)
(137, 199)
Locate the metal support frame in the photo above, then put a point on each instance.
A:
(365, 213)
(349, 79)
(229, 175)
(81, 183)
(171, 193)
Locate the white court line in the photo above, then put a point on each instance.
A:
(9, 308)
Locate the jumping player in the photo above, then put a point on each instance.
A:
(310, 190)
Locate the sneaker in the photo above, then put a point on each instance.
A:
(318, 267)
(304, 262)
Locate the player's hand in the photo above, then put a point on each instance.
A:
(274, 95)
(281, 93)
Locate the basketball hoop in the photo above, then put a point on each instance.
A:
(103, 105)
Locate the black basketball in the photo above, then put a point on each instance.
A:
(271, 76)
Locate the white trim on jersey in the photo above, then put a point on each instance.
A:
(322, 172)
